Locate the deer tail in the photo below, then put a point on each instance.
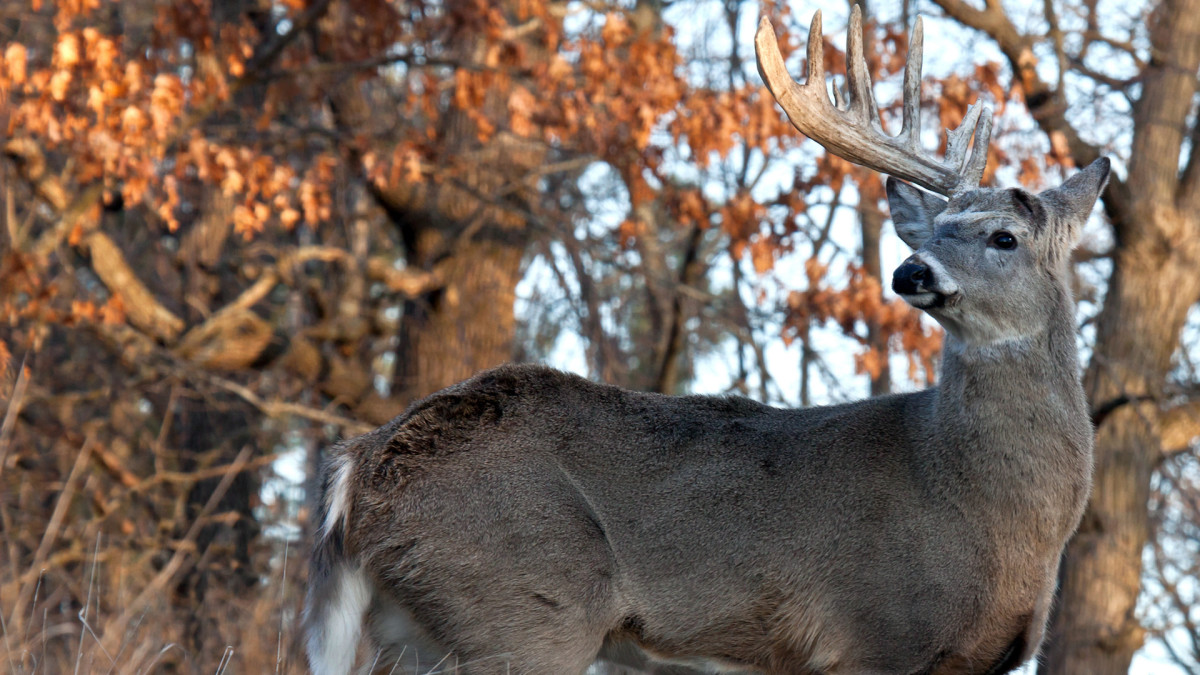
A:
(339, 590)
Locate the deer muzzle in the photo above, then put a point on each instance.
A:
(913, 277)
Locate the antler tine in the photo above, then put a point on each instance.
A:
(957, 139)
(816, 54)
(977, 123)
(861, 103)
(790, 94)
(910, 130)
(972, 172)
(854, 133)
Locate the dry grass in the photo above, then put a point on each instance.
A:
(80, 622)
(105, 570)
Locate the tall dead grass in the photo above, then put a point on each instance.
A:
(89, 585)
(86, 618)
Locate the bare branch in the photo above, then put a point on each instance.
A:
(62, 503)
(1180, 426)
(181, 560)
(1056, 36)
(282, 409)
(1114, 83)
(1045, 103)
(1094, 35)
(141, 307)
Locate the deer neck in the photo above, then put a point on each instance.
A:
(1011, 371)
(1013, 413)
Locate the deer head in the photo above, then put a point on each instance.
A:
(988, 264)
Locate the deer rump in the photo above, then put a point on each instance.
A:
(524, 518)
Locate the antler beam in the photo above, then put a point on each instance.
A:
(851, 129)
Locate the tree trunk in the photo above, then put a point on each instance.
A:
(1154, 284)
(1095, 630)
(467, 324)
(871, 220)
(466, 224)
(471, 233)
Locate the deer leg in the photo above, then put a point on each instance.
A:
(402, 646)
(520, 641)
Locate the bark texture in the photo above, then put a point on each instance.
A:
(467, 324)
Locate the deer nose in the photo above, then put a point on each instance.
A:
(910, 277)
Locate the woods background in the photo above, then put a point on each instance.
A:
(235, 232)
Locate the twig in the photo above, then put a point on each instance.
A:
(6, 431)
(819, 244)
(83, 616)
(10, 415)
(56, 518)
(226, 658)
(282, 588)
(180, 561)
(283, 409)
(164, 476)
(1127, 46)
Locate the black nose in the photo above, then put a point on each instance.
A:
(910, 277)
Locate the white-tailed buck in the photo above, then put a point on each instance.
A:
(526, 520)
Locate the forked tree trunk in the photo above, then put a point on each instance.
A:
(1155, 282)
(465, 224)
(471, 234)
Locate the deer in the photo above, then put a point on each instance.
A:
(531, 521)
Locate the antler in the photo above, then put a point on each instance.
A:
(851, 129)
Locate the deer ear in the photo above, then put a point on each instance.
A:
(1071, 203)
(913, 211)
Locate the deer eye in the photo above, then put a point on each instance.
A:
(1003, 240)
